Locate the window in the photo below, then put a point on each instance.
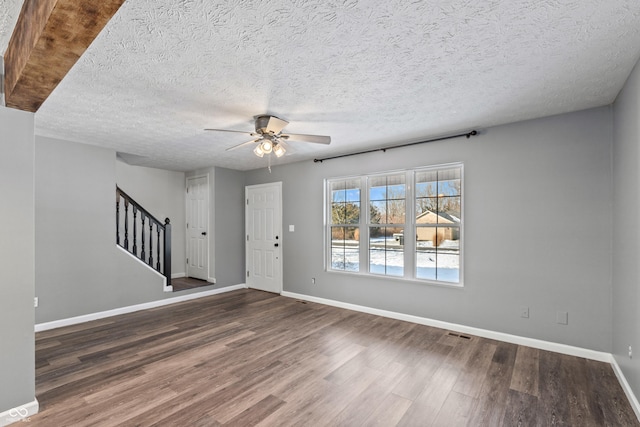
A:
(371, 219)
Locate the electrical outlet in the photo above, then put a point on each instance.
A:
(313, 280)
(630, 352)
(35, 301)
(524, 312)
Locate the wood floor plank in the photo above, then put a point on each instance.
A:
(455, 411)
(521, 410)
(492, 400)
(553, 404)
(475, 370)
(372, 397)
(427, 405)
(256, 413)
(389, 412)
(414, 378)
(525, 371)
(253, 358)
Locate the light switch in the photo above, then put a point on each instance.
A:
(292, 228)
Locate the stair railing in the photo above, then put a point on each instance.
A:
(141, 227)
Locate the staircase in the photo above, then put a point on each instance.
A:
(143, 235)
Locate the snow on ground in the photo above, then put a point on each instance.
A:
(431, 263)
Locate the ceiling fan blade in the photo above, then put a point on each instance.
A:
(234, 131)
(318, 139)
(276, 125)
(243, 144)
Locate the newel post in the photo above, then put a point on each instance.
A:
(167, 250)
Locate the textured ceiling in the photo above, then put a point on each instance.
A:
(367, 73)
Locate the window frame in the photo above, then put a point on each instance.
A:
(410, 228)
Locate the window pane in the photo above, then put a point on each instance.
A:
(438, 253)
(425, 263)
(353, 195)
(449, 209)
(345, 198)
(345, 190)
(448, 267)
(345, 213)
(426, 211)
(426, 184)
(378, 212)
(337, 213)
(396, 192)
(345, 248)
(387, 199)
(449, 182)
(396, 211)
(386, 251)
(378, 192)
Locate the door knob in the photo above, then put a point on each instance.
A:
(275, 244)
(204, 233)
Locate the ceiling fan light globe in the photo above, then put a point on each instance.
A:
(258, 151)
(266, 146)
(279, 150)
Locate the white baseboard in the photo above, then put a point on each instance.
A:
(130, 309)
(626, 387)
(514, 339)
(211, 280)
(19, 413)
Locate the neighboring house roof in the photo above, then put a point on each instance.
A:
(429, 217)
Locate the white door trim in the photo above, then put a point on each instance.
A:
(278, 185)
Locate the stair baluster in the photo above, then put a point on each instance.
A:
(142, 217)
(163, 235)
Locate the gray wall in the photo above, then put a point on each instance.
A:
(79, 270)
(17, 357)
(226, 219)
(537, 230)
(75, 223)
(626, 234)
(229, 226)
(161, 193)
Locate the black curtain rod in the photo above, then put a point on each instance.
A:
(468, 135)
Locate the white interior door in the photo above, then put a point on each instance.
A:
(198, 227)
(264, 237)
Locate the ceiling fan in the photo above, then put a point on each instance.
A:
(269, 136)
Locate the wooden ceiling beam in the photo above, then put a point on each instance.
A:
(49, 37)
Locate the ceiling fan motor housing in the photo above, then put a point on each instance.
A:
(262, 123)
(269, 125)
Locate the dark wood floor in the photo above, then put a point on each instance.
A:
(252, 358)
(184, 283)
